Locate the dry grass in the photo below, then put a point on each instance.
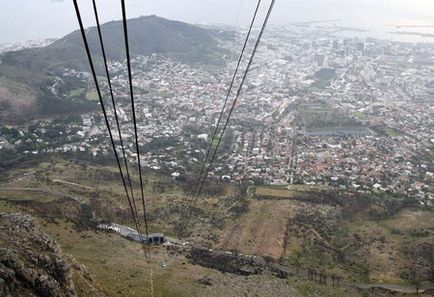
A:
(411, 219)
(260, 231)
(18, 95)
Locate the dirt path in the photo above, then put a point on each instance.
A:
(325, 241)
(55, 193)
(71, 184)
(45, 191)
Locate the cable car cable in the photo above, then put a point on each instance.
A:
(95, 9)
(227, 98)
(130, 79)
(95, 78)
(230, 113)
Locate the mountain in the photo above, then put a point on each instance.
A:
(147, 35)
(29, 71)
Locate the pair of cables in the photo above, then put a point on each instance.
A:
(210, 158)
(126, 180)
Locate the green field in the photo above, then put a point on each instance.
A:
(289, 191)
(360, 115)
(92, 95)
(391, 132)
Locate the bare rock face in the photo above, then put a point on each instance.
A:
(31, 263)
(236, 264)
(225, 262)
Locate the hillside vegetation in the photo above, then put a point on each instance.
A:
(312, 231)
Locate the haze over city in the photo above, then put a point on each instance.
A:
(55, 18)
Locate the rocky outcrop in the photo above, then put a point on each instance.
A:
(31, 263)
(225, 262)
(236, 264)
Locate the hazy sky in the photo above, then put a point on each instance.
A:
(34, 19)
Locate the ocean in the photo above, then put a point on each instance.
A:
(390, 20)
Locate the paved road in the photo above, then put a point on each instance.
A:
(129, 232)
(124, 231)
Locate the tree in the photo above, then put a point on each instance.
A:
(415, 276)
(295, 261)
(333, 278)
(322, 276)
(310, 273)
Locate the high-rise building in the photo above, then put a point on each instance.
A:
(319, 59)
(361, 47)
(335, 45)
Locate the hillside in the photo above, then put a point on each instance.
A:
(38, 69)
(308, 229)
(362, 238)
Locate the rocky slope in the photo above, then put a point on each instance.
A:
(32, 264)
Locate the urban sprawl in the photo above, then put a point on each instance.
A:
(355, 114)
